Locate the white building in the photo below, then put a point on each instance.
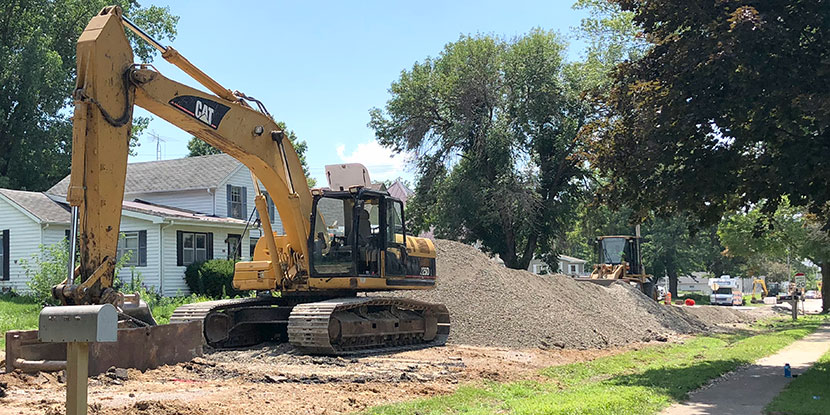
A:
(568, 265)
(175, 212)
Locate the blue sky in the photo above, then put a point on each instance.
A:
(320, 66)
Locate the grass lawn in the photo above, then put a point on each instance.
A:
(800, 395)
(17, 313)
(637, 382)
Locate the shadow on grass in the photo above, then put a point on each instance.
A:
(677, 382)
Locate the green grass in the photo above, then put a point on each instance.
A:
(637, 382)
(799, 396)
(163, 307)
(17, 313)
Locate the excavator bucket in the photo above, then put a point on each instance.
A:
(140, 348)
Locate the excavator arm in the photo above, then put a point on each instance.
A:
(109, 84)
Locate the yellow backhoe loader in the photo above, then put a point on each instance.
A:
(317, 267)
(619, 258)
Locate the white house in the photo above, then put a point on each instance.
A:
(568, 265)
(175, 212)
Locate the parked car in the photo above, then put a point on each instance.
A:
(811, 294)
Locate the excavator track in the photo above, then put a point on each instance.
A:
(239, 322)
(339, 326)
(367, 324)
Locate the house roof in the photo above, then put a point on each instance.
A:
(38, 205)
(50, 209)
(400, 191)
(203, 172)
(168, 212)
(572, 259)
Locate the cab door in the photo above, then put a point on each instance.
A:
(395, 238)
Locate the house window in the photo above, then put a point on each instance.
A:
(4, 255)
(193, 247)
(237, 202)
(134, 242)
(540, 269)
(573, 269)
(253, 245)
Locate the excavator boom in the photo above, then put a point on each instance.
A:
(108, 86)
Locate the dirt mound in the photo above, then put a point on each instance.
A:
(491, 305)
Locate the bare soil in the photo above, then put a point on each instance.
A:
(273, 379)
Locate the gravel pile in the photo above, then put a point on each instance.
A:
(722, 314)
(491, 305)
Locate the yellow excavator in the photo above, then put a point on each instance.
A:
(338, 241)
(756, 283)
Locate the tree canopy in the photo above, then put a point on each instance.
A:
(728, 106)
(37, 71)
(494, 123)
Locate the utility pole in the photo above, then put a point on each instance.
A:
(155, 137)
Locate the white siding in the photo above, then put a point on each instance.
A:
(195, 200)
(149, 274)
(242, 177)
(174, 283)
(53, 234)
(24, 241)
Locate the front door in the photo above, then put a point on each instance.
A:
(234, 246)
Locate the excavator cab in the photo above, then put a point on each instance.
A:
(359, 232)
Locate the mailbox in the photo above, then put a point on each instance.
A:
(78, 324)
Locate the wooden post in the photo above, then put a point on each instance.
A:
(793, 301)
(77, 369)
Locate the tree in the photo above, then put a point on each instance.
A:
(728, 107)
(787, 233)
(495, 125)
(197, 147)
(37, 71)
(670, 249)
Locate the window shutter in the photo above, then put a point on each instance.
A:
(228, 214)
(179, 261)
(6, 255)
(142, 248)
(209, 245)
(244, 203)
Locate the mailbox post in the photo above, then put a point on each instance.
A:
(77, 326)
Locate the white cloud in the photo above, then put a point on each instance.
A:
(383, 163)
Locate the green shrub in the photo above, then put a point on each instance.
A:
(213, 278)
(47, 268)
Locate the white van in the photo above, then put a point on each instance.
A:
(725, 291)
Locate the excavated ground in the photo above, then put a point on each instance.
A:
(506, 325)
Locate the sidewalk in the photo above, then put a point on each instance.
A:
(747, 391)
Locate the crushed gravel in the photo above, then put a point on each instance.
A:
(491, 305)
